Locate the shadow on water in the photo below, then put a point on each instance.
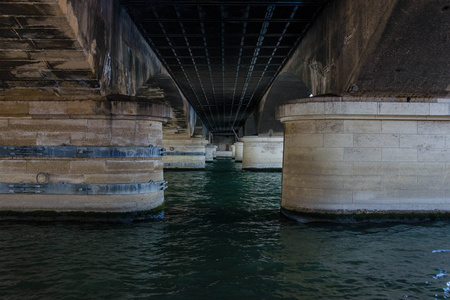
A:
(224, 192)
(223, 237)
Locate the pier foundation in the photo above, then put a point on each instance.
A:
(239, 151)
(210, 153)
(81, 157)
(365, 158)
(262, 153)
(184, 152)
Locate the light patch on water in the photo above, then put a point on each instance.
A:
(441, 274)
(447, 289)
(440, 251)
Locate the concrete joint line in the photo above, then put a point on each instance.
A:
(83, 188)
(185, 153)
(80, 152)
(364, 117)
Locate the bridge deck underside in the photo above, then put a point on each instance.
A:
(223, 54)
(40, 56)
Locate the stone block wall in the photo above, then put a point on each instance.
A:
(344, 158)
(108, 150)
(262, 152)
(184, 152)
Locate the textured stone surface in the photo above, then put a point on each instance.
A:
(239, 151)
(58, 61)
(189, 153)
(210, 152)
(79, 203)
(262, 152)
(79, 131)
(380, 48)
(371, 165)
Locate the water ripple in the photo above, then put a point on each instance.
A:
(223, 237)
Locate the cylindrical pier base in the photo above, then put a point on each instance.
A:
(262, 153)
(365, 160)
(210, 153)
(239, 151)
(84, 165)
(184, 153)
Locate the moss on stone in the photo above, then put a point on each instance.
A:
(361, 217)
(263, 169)
(46, 215)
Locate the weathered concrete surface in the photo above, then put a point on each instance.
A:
(163, 88)
(119, 56)
(239, 151)
(210, 153)
(40, 56)
(115, 106)
(223, 154)
(117, 123)
(71, 50)
(184, 152)
(366, 157)
(286, 87)
(262, 153)
(37, 205)
(393, 48)
(68, 70)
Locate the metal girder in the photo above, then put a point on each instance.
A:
(223, 54)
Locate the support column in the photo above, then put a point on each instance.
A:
(224, 154)
(362, 160)
(210, 153)
(239, 150)
(233, 151)
(215, 152)
(184, 153)
(81, 159)
(262, 153)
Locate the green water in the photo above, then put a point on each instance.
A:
(222, 237)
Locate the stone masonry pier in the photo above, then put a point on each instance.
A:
(73, 142)
(344, 157)
(82, 156)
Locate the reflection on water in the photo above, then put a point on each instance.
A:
(223, 237)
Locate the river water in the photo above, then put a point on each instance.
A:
(222, 237)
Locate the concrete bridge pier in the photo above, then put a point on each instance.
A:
(233, 151)
(262, 153)
(81, 159)
(183, 152)
(210, 153)
(359, 159)
(215, 152)
(238, 151)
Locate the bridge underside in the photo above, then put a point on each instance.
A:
(223, 54)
